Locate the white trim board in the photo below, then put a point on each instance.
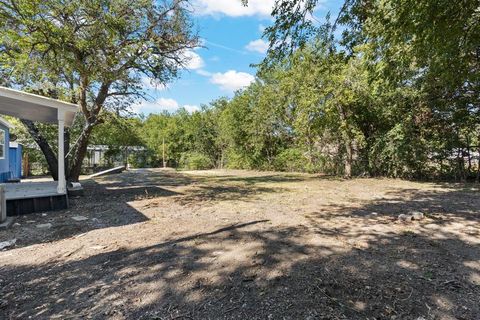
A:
(34, 107)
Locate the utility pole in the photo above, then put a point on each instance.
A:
(164, 162)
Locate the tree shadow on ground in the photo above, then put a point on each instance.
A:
(460, 203)
(258, 271)
(148, 177)
(217, 193)
(107, 202)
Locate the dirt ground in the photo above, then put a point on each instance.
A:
(246, 245)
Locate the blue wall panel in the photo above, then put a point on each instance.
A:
(4, 163)
(15, 161)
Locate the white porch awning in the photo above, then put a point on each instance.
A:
(34, 107)
(37, 108)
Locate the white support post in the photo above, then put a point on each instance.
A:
(61, 188)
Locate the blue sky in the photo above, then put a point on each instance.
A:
(231, 35)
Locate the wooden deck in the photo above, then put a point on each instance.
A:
(28, 190)
(30, 197)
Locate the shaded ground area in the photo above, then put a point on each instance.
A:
(246, 245)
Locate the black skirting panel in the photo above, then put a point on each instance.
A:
(31, 205)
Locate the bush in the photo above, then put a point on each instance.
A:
(291, 160)
(400, 153)
(237, 160)
(195, 161)
(143, 159)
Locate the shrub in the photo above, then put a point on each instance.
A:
(195, 161)
(237, 160)
(291, 160)
(143, 159)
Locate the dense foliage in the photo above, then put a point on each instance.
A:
(397, 94)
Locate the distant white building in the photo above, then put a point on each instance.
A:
(98, 156)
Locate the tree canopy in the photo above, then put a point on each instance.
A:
(386, 88)
(395, 93)
(94, 53)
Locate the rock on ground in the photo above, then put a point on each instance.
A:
(417, 215)
(79, 218)
(44, 226)
(6, 244)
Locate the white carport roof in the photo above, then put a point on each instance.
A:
(34, 107)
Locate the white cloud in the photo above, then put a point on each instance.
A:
(234, 8)
(232, 80)
(259, 46)
(161, 104)
(191, 108)
(204, 73)
(167, 104)
(193, 61)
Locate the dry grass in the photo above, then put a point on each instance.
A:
(248, 245)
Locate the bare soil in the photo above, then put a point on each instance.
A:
(246, 245)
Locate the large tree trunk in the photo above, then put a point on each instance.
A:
(50, 156)
(73, 164)
(91, 117)
(80, 152)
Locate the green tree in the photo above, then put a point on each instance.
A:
(426, 54)
(118, 133)
(252, 128)
(93, 53)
